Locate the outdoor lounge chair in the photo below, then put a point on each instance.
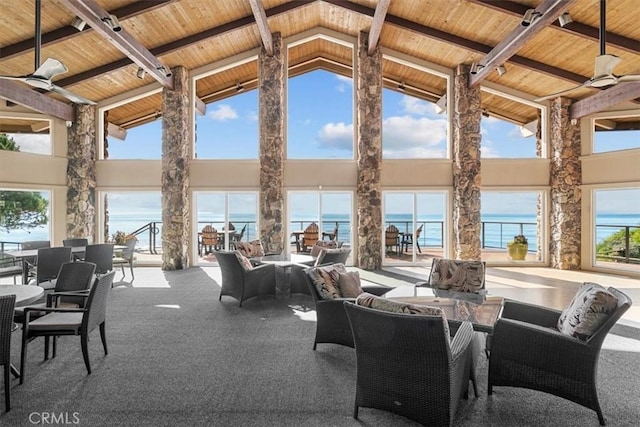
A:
(406, 364)
(244, 281)
(529, 350)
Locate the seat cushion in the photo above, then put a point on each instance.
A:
(325, 279)
(322, 244)
(349, 284)
(589, 309)
(57, 321)
(244, 261)
(372, 301)
(457, 275)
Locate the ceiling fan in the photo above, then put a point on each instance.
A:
(41, 77)
(604, 64)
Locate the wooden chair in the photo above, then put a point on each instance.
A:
(333, 235)
(310, 237)
(209, 240)
(391, 239)
(408, 239)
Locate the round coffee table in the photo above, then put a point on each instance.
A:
(25, 294)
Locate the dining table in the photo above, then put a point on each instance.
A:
(25, 295)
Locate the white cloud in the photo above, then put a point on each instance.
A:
(252, 116)
(404, 132)
(416, 106)
(223, 112)
(32, 143)
(336, 135)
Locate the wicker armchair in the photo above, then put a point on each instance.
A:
(529, 352)
(242, 284)
(406, 365)
(332, 325)
(7, 305)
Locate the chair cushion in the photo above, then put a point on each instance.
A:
(325, 279)
(58, 321)
(457, 275)
(366, 299)
(589, 309)
(244, 261)
(349, 284)
(251, 249)
(321, 244)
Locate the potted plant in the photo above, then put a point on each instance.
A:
(517, 248)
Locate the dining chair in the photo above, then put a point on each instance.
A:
(391, 239)
(126, 256)
(76, 243)
(69, 321)
(30, 262)
(48, 265)
(209, 240)
(310, 237)
(7, 305)
(11, 267)
(101, 254)
(408, 239)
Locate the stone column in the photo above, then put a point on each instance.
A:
(565, 179)
(271, 80)
(176, 153)
(81, 173)
(540, 212)
(466, 167)
(369, 134)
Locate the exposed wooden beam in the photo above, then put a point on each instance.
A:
(625, 91)
(263, 26)
(376, 26)
(98, 18)
(182, 43)
(576, 28)
(17, 93)
(548, 12)
(462, 42)
(67, 32)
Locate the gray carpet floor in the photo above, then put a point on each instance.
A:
(179, 357)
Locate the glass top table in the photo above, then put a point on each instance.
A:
(481, 312)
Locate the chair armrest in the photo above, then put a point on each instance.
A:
(27, 312)
(461, 340)
(56, 295)
(262, 266)
(530, 313)
(421, 284)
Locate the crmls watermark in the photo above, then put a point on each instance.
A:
(54, 418)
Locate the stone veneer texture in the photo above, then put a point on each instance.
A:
(369, 126)
(271, 80)
(565, 181)
(466, 167)
(81, 173)
(176, 143)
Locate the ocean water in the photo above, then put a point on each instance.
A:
(497, 230)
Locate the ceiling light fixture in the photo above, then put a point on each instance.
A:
(78, 23)
(239, 87)
(166, 70)
(475, 68)
(501, 69)
(529, 17)
(141, 73)
(565, 19)
(112, 22)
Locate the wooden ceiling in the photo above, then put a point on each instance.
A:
(540, 59)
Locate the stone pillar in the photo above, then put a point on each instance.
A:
(466, 167)
(81, 173)
(369, 134)
(271, 80)
(540, 212)
(176, 153)
(565, 179)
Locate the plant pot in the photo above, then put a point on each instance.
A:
(517, 251)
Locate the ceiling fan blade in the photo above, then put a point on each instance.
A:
(562, 92)
(70, 95)
(629, 78)
(50, 68)
(20, 78)
(605, 65)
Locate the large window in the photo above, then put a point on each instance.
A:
(141, 142)
(506, 140)
(24, 216)
(320, 116)
(608, 138)
(419, 218)
(25, 135)
(617, 228)
(412, 127)
(328, 209)
(506, 214)
(232, 216)
(229, 128)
